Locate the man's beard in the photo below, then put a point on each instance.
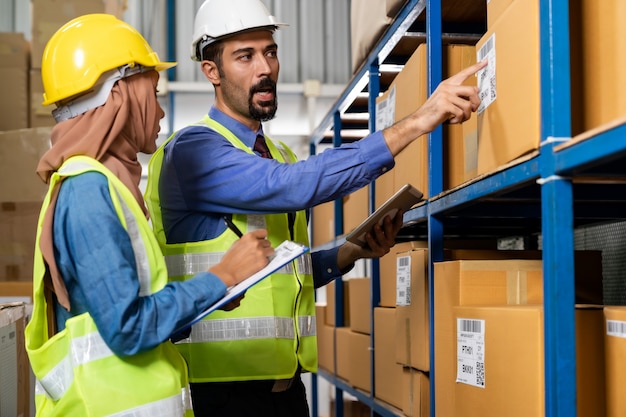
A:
(266, 110)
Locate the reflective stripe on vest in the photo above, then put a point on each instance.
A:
(167, 407)
(193, 263)
(249, 328)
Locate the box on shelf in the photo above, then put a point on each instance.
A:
(15, 378)
(615, 359)
(325, 340)
(387, 266)
(412, 311)
(498, 361)
(331, 305)
(360, 296)
(323, 223)
(14, 61)
(355, 209)
(509, 115)
(360, 366)
(460, 141)
(598, 59)
(387, 373)
(416, 393)
(342, 352)
(351, 408)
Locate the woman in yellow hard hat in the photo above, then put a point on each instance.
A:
(103, 311)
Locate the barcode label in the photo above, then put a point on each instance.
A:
(386, 110)
(403, 281)
(474, 326)
(616, 328)
(471, 352)
(487, 76)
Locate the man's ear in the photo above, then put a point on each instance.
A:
(211, 72)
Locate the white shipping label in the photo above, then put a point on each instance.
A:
(403, 281)
(470, 336)
(487, 76)
(616, 328)
(386, 110)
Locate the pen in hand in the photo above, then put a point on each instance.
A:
(232, 226)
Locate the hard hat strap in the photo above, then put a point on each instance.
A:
(98, 96)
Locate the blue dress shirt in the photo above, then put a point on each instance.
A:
(96, 260)
(204, 177)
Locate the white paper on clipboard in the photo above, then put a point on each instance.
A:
(283, 254)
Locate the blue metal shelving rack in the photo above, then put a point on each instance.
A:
(538, 195)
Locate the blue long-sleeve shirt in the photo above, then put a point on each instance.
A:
(204, 177)
(94, 255)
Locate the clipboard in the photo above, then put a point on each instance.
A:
(283, 254)
(405, 198)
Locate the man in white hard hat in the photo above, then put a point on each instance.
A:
(247, 362)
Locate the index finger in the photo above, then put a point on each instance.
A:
(462, 75)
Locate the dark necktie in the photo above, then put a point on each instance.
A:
(261, 147)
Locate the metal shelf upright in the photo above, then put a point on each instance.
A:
(548, 192)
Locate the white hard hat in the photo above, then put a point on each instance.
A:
(216, 19)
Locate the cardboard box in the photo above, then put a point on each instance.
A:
(406, 94)
(360, 305)
(495, 8)
(387, 266)
(360, 366)
(49, 15)
(460, 141)
(16, 291)
(411, 92)
(412, 311)
(471, 283)
(351, 408)
(18, 228)
(356, 208)
(15, 378)
(342, 352)
(14, 61)
(598, 53)
(19, 155)
(331, 305)
(39, 115)
(387, 373)
(499, 362)
(615, 359)
(325, 340)
(323, 223)
(416, 393)
(509, 116)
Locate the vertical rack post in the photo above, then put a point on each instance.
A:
(435, 175)
(557, 213)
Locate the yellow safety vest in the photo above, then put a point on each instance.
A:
(273, 330)
(76, 372)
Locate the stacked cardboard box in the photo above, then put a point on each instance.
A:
(16, 384)
(22, 194)
(14, 60)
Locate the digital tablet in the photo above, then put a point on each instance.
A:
(405, 198)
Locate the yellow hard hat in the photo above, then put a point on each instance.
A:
(87, 47)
